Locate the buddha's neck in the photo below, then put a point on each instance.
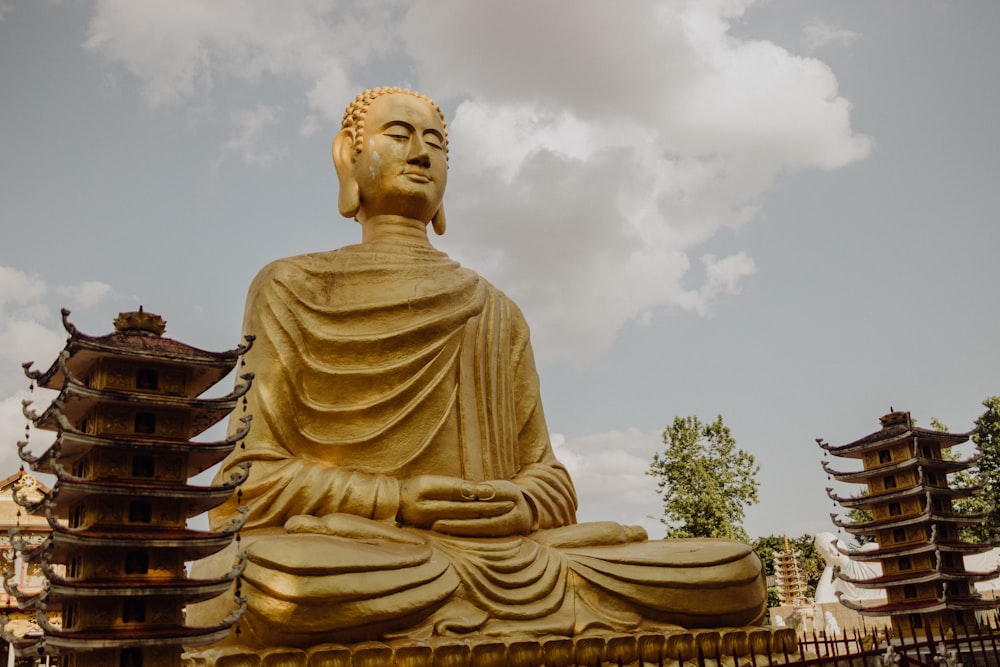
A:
(394, 229)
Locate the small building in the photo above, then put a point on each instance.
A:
(127, 410)
(913, 521)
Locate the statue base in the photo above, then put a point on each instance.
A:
(754, 645)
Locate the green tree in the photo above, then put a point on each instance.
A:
(987, 438)
(705, 481)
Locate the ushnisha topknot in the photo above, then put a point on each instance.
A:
(354, 115)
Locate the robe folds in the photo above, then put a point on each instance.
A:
(375, 363)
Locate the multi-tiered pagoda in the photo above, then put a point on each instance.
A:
(790, 581)
(126, 411)
(915, 525)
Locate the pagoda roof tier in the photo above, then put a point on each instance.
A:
(920, 462)
(193, 544)
(71, 444)
(189, 590)
(896, 427)
(898, 579)
(82, 351)
(913, 549)
(852, 502)
(196, 499)
(76, 401)
(144, 635)
(872, 527)
(919, 606)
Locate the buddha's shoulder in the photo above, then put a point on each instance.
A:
(301, 266)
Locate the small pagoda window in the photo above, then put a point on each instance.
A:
(884, 456)
(890, 482)
(916, 622)
(142, 466)
(134, 611)
(76, 516)
(131, 657)
(931, 478)
(899, 535)
(909, 591)
(69, 616)
(904, 563)
(140, 511)
(895, 509)
(147, 378)
(925, 451)
(145, 422)
(136, 562)
(74, 567)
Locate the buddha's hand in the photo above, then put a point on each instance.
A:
(494, 508)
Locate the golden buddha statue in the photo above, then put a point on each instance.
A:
(403, 483)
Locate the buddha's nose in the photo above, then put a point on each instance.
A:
(419, 155)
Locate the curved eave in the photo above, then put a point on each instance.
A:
(872, 527)
(877, 555)
(927, 576)
(937, 465)
(202, 413)
(143, 636)
(862, 502)
(896, 608)
(190, 590)
(82, 351)
(889, 436)
(193, 544)
(72, 443)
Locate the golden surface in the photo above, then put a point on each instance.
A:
(403, 483)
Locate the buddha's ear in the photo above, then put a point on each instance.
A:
(349, 200)
(438, 221)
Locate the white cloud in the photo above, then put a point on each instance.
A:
(593, 149)
(87, 294)
(249, 139)
(609, 471)
(818, 33)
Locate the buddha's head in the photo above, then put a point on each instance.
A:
(391, 157)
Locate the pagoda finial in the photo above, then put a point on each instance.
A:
(139, 321)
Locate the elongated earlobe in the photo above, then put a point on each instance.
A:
(438, 221)
(349, 199)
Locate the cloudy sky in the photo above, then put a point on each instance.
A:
(783, 212)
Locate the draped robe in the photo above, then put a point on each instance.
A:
(374, 363)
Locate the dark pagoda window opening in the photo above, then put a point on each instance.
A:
(136, 562)
(890, 482)
(134, 611)
(147, 378)
(80, 469)
(69, 616)
(74, 567)
(959, 618)
(895, 509)
(142, 466)
(909, 591)
(925, 451)
(915, 621)
(76, 516)
(904, 563)
(85, 426)
(131, 657)
(140, 511)
(899, 535)
(884, 456)
(145, 422)
(931, 478)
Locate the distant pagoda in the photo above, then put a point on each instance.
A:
(915, 526)
(789, 578)
(124, 418)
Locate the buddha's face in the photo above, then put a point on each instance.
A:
(402, 168)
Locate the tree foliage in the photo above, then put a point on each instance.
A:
(705, 481)
(987, 438)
